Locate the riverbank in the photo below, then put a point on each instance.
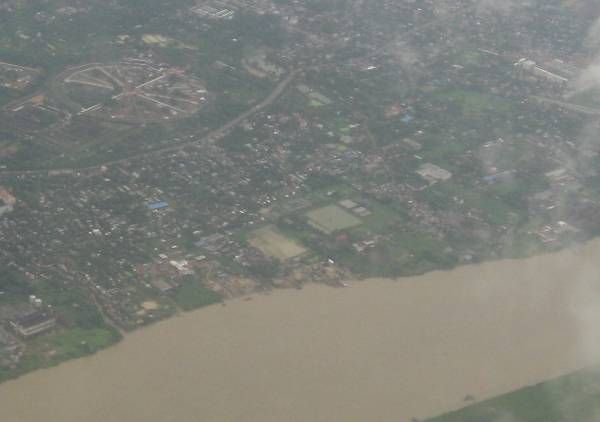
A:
(378, 350)
(572, 397)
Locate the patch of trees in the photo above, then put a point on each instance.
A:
(13, 283)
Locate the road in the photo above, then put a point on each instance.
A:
(212, 136)
(569, 106)
(223, 130)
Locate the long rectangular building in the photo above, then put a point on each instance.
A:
(32, 324)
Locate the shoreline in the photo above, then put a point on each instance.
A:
(122, 334)
(478, 285)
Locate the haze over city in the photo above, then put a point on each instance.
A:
(299, 210)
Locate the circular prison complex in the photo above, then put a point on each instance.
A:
(131, 90)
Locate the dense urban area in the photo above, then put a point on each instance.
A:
(156, 157)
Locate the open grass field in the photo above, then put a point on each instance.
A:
(193, 294)
(332, 218)
(574, 397)
(274, 244)
(473, 103)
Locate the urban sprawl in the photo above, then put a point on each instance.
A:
(156, 158)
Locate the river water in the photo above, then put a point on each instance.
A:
(378, 350)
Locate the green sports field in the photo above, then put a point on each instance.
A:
(332, 218)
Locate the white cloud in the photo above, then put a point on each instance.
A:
(592, 40)
(589, 78)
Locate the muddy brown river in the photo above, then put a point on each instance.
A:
(378, 350)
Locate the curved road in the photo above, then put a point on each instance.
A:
(211, 136)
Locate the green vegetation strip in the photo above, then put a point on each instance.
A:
(50, 350)
(192, 295)
(574, 397)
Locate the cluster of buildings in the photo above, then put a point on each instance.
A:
(405, 137)
(17, 77)
(19, 323)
